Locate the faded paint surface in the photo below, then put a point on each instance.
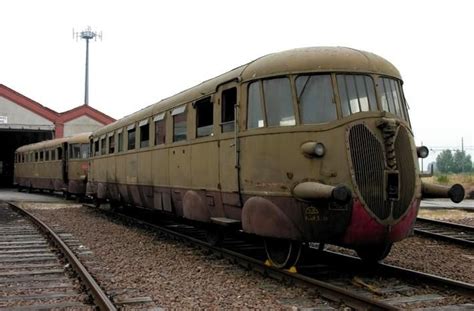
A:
(80, 125)
(22, 118)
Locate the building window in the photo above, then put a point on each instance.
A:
(131, 137)
(160, 129)
(111, 143)
(229, 100)
(204, 117)
(144, 133)
(179, 123)
(120, 141)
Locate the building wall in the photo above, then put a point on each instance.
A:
(81, 124)
(17, 117)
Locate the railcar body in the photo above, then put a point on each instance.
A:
(57, 165)
(306, 145)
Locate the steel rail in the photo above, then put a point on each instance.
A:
(99, 296)
(424, 226)
(408, 273)
(327, 290)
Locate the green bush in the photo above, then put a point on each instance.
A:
(442, 179)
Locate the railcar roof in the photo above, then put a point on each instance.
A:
(79, 138)
(319, 59)
(311, 59)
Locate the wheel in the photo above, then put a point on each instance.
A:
(373, 253)
(214, 235)
(66, 195)
(282, 253)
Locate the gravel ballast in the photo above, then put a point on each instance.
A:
(174, 275)
(178, 276)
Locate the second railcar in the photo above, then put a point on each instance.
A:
(57, 165)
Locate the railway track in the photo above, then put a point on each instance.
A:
(39, 271)
(336, 277)
(447, 231)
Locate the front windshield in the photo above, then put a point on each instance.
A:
(315, 97)
(357, 93)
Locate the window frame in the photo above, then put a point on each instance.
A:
(144, 127)
(225, 124)
(131, 143)
(199, 106)
(180, 112)
(159, 119)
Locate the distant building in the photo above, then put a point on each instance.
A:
(24, 121)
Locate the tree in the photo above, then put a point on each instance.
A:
(444, 161)
(459, 162)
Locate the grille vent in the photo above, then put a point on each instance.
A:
(406, 170)
(369, 163)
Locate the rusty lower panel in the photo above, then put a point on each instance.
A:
(322, 221)
(76, 186)
(41, 183)
(282, 217)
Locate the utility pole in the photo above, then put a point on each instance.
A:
(87, 34)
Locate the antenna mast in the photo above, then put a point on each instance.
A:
(87, 34)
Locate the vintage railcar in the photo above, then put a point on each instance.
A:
(306, 145)
(56, 165)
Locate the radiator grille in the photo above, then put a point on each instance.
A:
(369, 163)
(406, 170)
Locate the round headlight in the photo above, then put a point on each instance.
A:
(319, 150)
(422, 152)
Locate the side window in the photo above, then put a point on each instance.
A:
(53, 155)
(84, 151)
(204, 117)
(76, 151)
(357, 93)
(391, 97)
(36, 156)
(120, 140)
(255, 107)
(179, 123)
(144, 133)
(111, 143)
(96, 147)
(131, 137)
(160, 128)
(315, 99)
(103, 147)
(60, 153)
(41, 156)
(277, 94)
(46, 155)
(229, 100)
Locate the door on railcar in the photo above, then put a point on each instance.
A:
(228, 98)
(64, 162)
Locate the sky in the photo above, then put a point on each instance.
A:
(151, 50)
